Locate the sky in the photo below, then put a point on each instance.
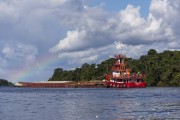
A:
(37, 36)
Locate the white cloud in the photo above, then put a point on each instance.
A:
(19, 53)
(73, 40)
(127, 26)
(131, 16)
(80, 33)
(153, 24)
(7, 12)
(174, 45)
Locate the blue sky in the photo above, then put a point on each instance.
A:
(37, 36)
(117, 5)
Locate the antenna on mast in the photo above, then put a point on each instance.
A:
(120, 45)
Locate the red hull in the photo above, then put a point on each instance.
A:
(126, 85)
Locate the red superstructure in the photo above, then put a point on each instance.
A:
(121, 76)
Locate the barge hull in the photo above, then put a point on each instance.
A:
(98, 84)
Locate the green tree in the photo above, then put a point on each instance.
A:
(152, 52)
(161, 69)
(4, 82)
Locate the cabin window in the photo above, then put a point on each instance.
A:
(119, 80)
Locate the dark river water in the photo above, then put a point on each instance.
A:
(89, 103)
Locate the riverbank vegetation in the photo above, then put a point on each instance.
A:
(161, 69)
(4, 82)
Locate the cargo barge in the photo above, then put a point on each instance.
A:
(61, 84)
(120, 76)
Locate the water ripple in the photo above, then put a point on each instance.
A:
(89, 104)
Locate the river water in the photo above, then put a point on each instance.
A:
(89, 103)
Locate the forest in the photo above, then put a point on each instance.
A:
(161, 69)
(4, 82)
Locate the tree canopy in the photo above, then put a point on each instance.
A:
(161, 69)
(85, 73)
(4, 82)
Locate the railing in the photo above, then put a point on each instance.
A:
(135, 76)
(119, 56)
(118, 69)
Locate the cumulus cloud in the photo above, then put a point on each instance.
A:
(35, 22)
(123, 32)
(29, 28)
(79, 33)
(126, 26)
(74, 39)
(131, 16)
(16, 56)
(19, 53)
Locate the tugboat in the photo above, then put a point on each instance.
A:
(121, 76)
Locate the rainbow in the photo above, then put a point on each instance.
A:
(25, 72)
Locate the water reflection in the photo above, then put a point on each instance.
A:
(89, 104)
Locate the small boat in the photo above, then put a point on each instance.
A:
(121, 77)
